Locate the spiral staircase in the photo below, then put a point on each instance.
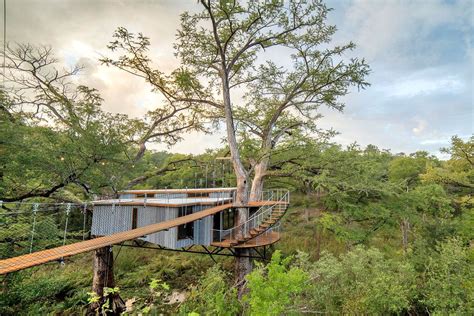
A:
(263, 226)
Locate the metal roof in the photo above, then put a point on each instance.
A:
(193, 190)
(174, 202)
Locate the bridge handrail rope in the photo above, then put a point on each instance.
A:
(30, 227)
(39, 209)
(35, 210)
(45, 203)
(84, 215)
(68, 210)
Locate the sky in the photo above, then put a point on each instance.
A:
(420, 52)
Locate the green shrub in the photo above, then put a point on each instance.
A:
(361, 281)
(273, 287)
(448, 286)
(212, 295)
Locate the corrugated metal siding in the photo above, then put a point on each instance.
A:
(202, 231)
(170, 195)
(202, 227)
(220, 195)
(109, 219)
(180, 243)
(151, 215)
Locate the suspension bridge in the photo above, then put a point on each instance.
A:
(37, 233)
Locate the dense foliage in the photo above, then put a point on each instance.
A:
(381, 234)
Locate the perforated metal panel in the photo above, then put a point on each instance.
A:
(110, 219)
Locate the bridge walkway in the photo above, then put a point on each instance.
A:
(44, 256)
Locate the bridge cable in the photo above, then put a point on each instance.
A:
(35, 210)
(68, 210)
(84, 212)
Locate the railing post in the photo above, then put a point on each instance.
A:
(84, 214)
(68, 210)
(35, 209)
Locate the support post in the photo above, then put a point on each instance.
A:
(104, 278)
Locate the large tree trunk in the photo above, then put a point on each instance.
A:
(257, 183)
(104, 277)
(243, 265)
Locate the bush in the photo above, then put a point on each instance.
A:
(273, 287)
(361, 281)
(449, 280)
(38, 292)
(212, 295)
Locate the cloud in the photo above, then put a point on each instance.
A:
(423, 86)
(405, 32)
(420, 127)
(420, 52)
(194, 142)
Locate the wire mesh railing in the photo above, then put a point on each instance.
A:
(30, 227)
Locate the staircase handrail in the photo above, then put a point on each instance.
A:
(270, 203)
(255, 220)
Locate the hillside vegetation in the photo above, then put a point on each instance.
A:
(368, 232)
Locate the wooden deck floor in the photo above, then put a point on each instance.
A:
(40, 257)
(262, 240)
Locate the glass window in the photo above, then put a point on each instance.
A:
(134, 217)
(217, 221)
(185, 231)
(228, 219)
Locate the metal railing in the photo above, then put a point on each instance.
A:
(274, 195)
(277, 200)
